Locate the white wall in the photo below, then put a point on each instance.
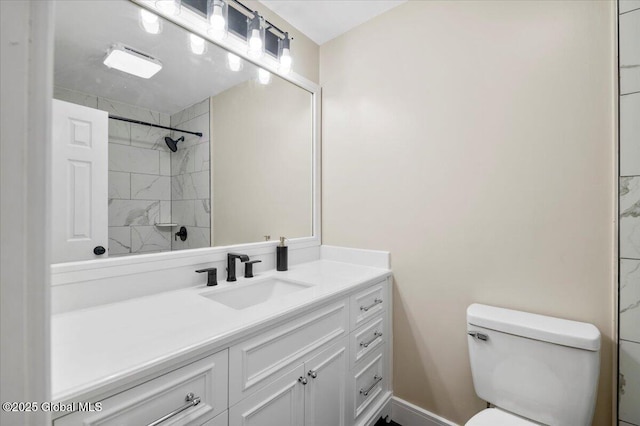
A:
(475, 141)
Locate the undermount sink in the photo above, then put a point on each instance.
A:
(249, 294)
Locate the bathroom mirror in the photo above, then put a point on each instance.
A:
(238, 169)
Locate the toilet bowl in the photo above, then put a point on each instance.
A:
(534, 369)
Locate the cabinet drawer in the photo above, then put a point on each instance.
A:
(206, 379)
(219, 420)
(366, 339)
(368, 303)
(368, 381)
(258, 360)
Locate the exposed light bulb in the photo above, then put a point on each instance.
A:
(170, 7)
(197, 44)
(264, 76)
(150, 21)
(286, 61)
(235, 63)
(217, 20)
(255, 44)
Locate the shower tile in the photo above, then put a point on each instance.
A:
(150, 187)
(182, 161)
(629, 409)
(202, 213)
(119, 185)
(75, 97)
(165, 163)
(124, 158)
(630, 217)
(630, 52)
(183, 213)
(630, 300)
(165, 119)
(191, 186)
(149, 238)
(196, 238)
(165, 211)
(629, 5)
(128, 111)
(176, 188)
(119, 240)
(630, 134)
(119, 132)
(148, 137)
(201, 157)
(133, 212)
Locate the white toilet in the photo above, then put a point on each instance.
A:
(534, 369)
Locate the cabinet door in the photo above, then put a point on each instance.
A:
(325, 393)
(279, 404)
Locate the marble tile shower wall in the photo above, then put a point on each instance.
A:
(139, 176)
(629, 315)
(190, 177)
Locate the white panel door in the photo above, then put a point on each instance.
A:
(79, 182)
(280, 403)
(326, 395)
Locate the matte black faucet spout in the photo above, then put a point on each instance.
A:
(231, 264)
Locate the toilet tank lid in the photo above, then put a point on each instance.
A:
(564, 332)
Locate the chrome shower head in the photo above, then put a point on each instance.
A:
(173, 144)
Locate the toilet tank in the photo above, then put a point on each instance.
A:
(542, 368)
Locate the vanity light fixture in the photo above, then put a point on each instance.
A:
(234, 61)
(285, 59)
(264, 76)
(217, 16)
(170, 7)
(198, 45)
(150, 21)
(131, 61)
(255, 36)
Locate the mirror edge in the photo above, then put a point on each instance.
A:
(145, 262)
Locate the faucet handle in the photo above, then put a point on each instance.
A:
(212, 275)
(248, 268)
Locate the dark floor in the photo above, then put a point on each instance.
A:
(381, 422)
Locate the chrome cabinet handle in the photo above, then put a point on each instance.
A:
(373, 339)
(312, 374)
(192, 401)
(302, 380)
(376, 380)
(375, 302)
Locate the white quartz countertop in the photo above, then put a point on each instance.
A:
(104, 346)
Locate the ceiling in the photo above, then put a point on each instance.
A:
(84, 31)
(323, 20)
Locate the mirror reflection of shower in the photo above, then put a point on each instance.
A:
(173, 144)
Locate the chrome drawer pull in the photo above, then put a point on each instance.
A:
(376, 380)
(192, 401)
(373, 339)
(375, 302)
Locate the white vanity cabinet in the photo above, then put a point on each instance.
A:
(326, 365)
(329, 367)
(195, 394)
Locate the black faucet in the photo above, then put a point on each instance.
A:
(212, 278)
(231, 264)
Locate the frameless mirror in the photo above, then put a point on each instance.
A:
(209, 150)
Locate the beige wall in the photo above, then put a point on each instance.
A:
(262, 162)
(474, 141)
(305, 52)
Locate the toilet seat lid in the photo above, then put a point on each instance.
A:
(497, 417)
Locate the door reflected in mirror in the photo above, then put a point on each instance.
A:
(194, 139)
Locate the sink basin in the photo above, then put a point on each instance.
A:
(246, 295)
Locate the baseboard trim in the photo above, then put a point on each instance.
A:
(408, 414)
